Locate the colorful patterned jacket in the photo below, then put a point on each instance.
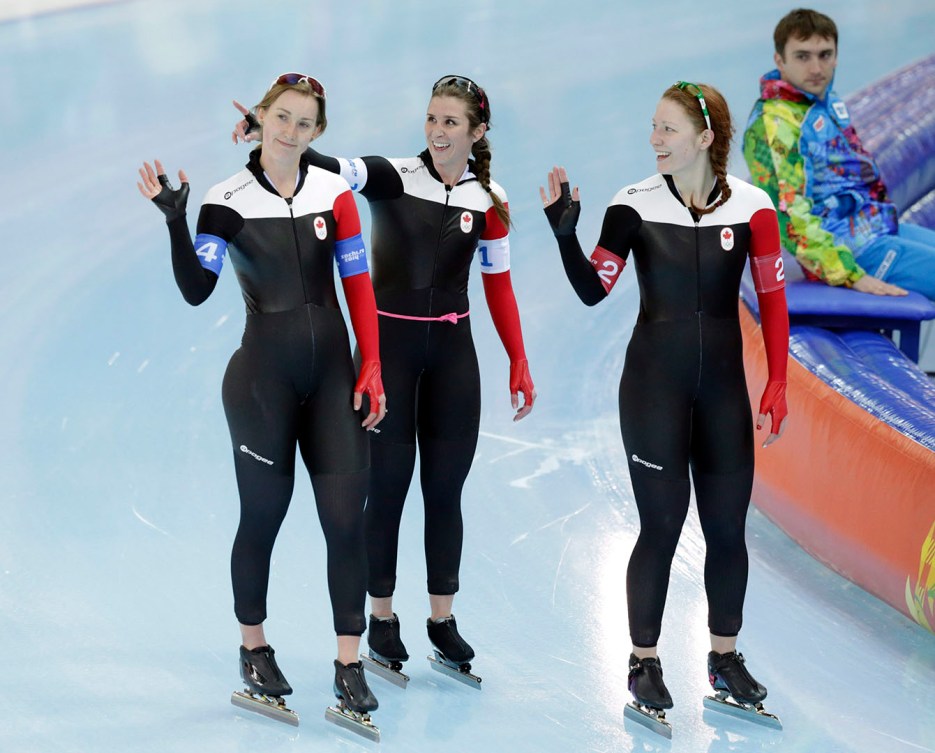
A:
(804, 152)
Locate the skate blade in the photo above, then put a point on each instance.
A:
(441, 664)
(272, 708)
(751, 713)
(377, 667)
(653, 720)
(351, 720)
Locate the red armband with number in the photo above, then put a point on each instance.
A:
(770, 282)
(608, 266)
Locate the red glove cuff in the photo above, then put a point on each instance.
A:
(773, 403)
(521, 381)
(369, 381)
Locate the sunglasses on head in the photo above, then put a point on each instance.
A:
(465, 83)
(684, 85)
(291, 79)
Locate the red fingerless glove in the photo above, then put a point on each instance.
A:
(773, 404)
(521, 381)
(370, 382)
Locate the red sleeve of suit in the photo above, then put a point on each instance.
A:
(769, 280)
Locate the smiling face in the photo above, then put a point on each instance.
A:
(449, 136)
(289, 125)
(679, 147)
(808, 64)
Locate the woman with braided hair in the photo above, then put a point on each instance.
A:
(683, 394)
(431, 214)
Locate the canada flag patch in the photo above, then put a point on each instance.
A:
(727, 238)
(467, 222)
(321, 228)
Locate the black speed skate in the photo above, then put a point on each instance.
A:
(452, 652)
(264, 684)
(355, 701)
(650, 696)
(736, 692)
(387, 652)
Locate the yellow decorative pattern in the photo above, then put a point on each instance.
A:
(921, 599)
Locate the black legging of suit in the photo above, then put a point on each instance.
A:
(683, 405)
(289, 384)
(431, 374)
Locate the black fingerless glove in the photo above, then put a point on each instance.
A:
(563, 213)
(171, 202)
(253, 125)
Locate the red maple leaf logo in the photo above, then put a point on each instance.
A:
(320, 224)
(466, 217)
(727, 235)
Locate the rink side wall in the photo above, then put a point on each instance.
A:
(854, 490)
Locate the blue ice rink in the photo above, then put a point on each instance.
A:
(118, 504)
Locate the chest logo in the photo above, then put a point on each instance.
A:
(727, 238)
(321, 229)
(819, 123)
(467, 222)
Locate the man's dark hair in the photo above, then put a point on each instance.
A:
(803, 23)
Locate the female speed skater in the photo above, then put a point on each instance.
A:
(284, 223)
(683, 395)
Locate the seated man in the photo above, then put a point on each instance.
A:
(802, 149)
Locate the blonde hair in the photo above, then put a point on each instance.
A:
(302, 87)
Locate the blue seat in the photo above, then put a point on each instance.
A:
(815, 304)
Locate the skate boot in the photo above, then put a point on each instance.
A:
(264, 685)
(650, 696)
(387, 652)
(355, 701)
(736, 692)
(452, 652)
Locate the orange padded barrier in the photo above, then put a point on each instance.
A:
(851, 490)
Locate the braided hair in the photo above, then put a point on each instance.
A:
(478, 111)
(721, 125)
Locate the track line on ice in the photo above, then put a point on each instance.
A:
(151, 525)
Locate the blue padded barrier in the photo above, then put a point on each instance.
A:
(880, 357)
(885, 391)
(895, 119)
(922, 212)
